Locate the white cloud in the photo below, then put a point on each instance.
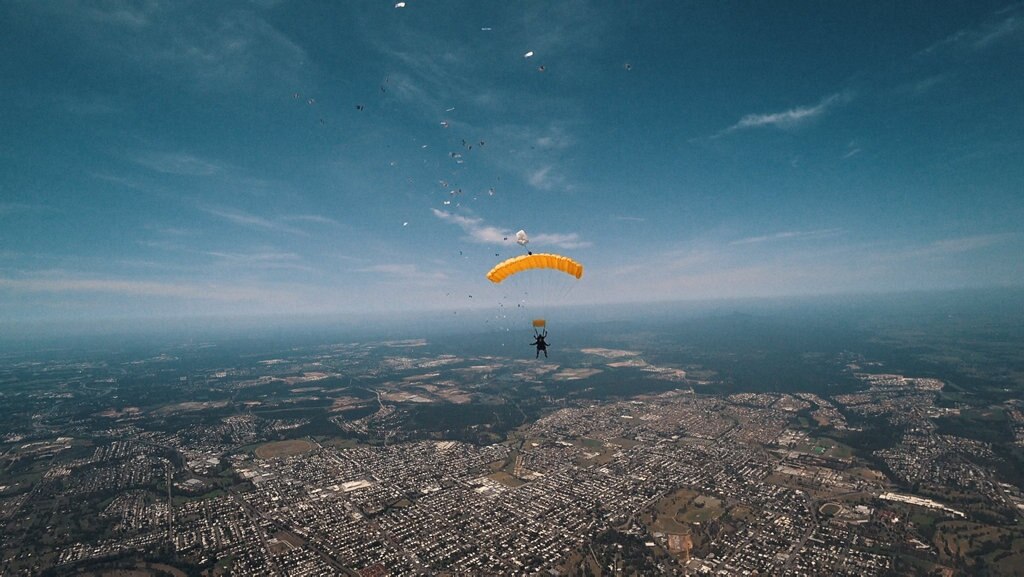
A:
(480, 232)
(475, 228)
(790, 235)
(546, 178)
(787, 118)
(555, 138)
(540, 178)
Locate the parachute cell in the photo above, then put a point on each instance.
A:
(535, 261)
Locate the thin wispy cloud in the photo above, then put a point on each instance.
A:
(131, 15)
(555, 138)
(686, 259)
(263, 260)
(87, 105)
(236, 49)
(411, 92)
(253, 221)
(118, 180)
(543, 178)
(260, 259)
(20, 207)
(969, 243)
(713, 271)
(405, 272)
(178, 163)
(924, 85)
(538, 153)
(429, 83)
(239, 49)
(478, 231)
(1003, 24)
(787, 118)
(314, 218)
(852, 149)
(570, 240)
(789, 235)
(956, 246)
(999, 31)
(173, 231)
(564, 27)
(135, 288)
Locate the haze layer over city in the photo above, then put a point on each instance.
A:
(462, 288)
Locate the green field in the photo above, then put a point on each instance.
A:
(677, 511)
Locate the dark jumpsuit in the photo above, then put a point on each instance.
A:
(538, 341)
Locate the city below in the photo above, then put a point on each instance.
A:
(653, 454)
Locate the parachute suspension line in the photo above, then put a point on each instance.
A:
(566, 289)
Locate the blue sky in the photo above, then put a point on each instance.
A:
(174, 159)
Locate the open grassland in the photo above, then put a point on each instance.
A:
(676, 512)
(984, 549)
(287, 448)
(506, 479)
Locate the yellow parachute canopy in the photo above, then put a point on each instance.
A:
(512, 266)
(539, 323)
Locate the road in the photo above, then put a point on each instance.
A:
(170, 503)
(252, 513)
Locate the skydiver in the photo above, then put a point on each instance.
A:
(538, 341)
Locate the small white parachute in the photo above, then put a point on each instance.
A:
(528, 54)
(521, 237)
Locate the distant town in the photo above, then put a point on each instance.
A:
(391, 458)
